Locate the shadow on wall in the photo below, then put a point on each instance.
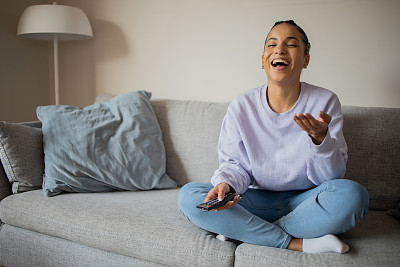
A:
(24, 67)
(110, 42)
(81, 60)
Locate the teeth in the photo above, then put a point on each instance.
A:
(276, 61)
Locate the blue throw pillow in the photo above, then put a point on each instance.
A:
(114, 145)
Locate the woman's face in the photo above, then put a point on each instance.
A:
(284, 56)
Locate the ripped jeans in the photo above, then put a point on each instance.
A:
(271, 218)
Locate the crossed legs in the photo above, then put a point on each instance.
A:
(282, 219)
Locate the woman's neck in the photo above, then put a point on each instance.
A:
(282, 98)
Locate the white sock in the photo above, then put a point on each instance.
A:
(222, 237)
(323, 244)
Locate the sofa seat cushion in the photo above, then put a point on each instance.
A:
(35, 249)
(145, 225)
(375, 241)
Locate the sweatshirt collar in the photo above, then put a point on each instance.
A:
(288, 114)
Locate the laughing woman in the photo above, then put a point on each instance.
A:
(282, 149)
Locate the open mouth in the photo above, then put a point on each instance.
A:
(280, 63)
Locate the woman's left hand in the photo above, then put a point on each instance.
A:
(315, 128)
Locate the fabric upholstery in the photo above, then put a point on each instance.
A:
(22, 247)
(5, 185)
(21, 153)
(395, 212)
(373, 242)
(114, 145)
(373, 140)
(140, 224)
(191, 132)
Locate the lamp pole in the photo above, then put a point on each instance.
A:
(56, 81)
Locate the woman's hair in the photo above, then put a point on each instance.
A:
(301, 31)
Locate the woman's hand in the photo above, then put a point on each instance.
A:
(315, 128)
(220, 191)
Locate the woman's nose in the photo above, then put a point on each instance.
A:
(279, 50)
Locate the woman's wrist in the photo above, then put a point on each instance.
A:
(317, 140)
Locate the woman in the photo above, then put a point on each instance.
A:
(282, 149)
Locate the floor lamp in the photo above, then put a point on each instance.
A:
(54, 22)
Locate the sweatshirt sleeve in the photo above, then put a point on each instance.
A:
(234, 166)
(327, 161)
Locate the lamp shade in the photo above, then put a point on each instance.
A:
(42, 22)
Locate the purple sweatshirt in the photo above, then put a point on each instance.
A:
(267, 150)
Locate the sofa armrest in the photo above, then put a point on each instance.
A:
(5, 185)
(36, 124)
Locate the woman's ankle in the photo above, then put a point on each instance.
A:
(296, 244)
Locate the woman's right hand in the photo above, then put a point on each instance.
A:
(220, 191)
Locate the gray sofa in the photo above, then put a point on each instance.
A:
(145, 228)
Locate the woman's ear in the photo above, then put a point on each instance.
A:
(262, 62)
(306, 61)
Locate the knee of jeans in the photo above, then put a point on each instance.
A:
(184, 193)
(355, 196)
(188, 189)
(187, 196)
(182, 199)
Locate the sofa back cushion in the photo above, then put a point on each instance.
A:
(373, 140)
(190, 133)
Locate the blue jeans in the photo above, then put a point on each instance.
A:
(271, 218)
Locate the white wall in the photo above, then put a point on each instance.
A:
(211, 50)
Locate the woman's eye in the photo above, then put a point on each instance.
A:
(292, 45)
(271, 45)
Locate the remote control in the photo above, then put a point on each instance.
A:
(215, 203)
